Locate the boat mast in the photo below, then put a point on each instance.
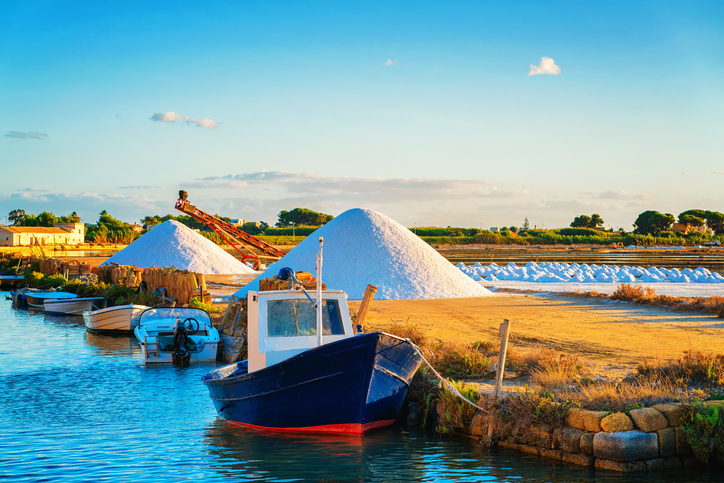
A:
(319, 292)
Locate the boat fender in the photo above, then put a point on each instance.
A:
(359, 329)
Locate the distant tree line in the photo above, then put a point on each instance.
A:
(46, 218)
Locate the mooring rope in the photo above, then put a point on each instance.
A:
(445, 382)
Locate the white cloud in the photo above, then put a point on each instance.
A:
(718, 172)
(390, 62)
(26, 135)
(171, 116)
(547, 66)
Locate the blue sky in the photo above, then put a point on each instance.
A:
(423, 111)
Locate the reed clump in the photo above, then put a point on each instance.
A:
(693, 366)
(648, 296)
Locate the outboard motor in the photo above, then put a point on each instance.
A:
(180, 338)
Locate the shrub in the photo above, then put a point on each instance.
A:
(704, 430)
(200, 304)
(454, 413)
(459, 360)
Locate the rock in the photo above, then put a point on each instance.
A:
(626, 467)
(584, 420)
(682, 447)
(592, 420)
(538, 435)
(554, 454)
(586, 443)
(655, 464)
(574, 418)
(414, 415)
(672, 462)
(667, 441)
(626, 446)
(617, 422)
(672, 412)
(579, 459)
(688, 461)
(648, 419)
(231, 347)
(523, 448)
(567, 439)
(477, 425)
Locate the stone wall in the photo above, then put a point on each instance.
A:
(645, 439)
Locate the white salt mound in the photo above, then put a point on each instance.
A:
(172, 244)
(364, 247)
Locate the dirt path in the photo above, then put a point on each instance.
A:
(612, 338)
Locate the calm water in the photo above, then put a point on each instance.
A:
(75, 406)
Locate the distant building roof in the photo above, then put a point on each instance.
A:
(34, 229)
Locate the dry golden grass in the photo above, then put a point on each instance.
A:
(408, 331)
(694, 366)
(647, 296)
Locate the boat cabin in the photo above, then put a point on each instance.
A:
(283, 323)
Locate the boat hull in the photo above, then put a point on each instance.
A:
(122, 318)
(71, 306)
(349, 386)
(207, 354)
(37, 299)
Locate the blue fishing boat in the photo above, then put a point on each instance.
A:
(307, 370)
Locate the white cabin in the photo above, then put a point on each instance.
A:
(283, 323)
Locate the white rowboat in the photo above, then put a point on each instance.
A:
(71, 306)
(119, 318)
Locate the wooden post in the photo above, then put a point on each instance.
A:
(228, 309)
(504, 334)
(237, 317)
(364, 307)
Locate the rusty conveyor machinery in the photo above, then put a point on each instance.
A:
(230, 233)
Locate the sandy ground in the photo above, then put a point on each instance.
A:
(611, 338)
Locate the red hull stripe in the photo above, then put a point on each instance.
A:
(349, 428)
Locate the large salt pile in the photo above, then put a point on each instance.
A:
(364, 247)
(172, 244)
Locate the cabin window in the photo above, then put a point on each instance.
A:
(290, 318)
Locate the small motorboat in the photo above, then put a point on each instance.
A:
(121, 318)
(177, 335)
(307, 371)
(37, 299)
(72, 306)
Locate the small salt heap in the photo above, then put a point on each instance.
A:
(364, 247)
(172, 244)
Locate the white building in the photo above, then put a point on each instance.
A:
(60, 233)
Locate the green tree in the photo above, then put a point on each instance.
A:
(72, 218)
(302, 217)
(652, 222)
(715, 221)
(16, 217)
(596, 220)
(526, 225)
(691, 220)
(47, 218)
(585, 221)
(582, 221)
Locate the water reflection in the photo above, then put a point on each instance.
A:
(112, 344)
(79, 406)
